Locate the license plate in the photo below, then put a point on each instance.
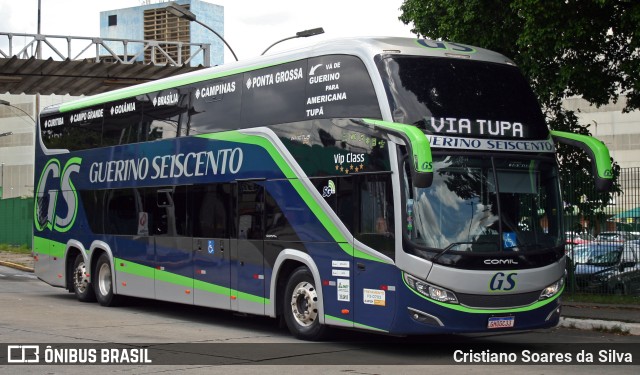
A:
(501, 322)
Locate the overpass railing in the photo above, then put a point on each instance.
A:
(124, 51)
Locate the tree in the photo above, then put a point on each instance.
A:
(589, 48)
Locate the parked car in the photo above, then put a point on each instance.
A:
(579, 253)
(574, 238)
(611, 267)
(617, 236)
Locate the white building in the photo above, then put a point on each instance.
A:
(17, 139)
(621, 133)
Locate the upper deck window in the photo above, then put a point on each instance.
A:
(462, 98)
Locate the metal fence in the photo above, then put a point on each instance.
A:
(603, 247)
(16, 221)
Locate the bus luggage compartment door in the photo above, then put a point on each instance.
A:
(211, 272)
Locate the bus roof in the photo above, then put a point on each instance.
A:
(363, 47)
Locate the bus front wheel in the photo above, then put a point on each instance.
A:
(103, 282)
(301, 303)
(81, 281)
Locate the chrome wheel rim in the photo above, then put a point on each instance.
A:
(81, 278)
(304, 304)
(104, 279)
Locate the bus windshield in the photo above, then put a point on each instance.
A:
(462, 98)
(484, 204)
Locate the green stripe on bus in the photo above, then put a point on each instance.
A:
(355, 324)
(133, 268)
(251, 297)
(235, 136)
(49, 247)
(40, 245)
(57, 249)
(470, 310)
(133, 91)
(136, 269)
(211, 288)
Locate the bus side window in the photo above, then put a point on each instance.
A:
(215, 110)
(250, 210)
(120, 128)
(92, 203)
(277, 224)
(164, 114)
(123, 207)
(345, 201)
(82, 135)
(210, 210)
(166, 209)
(338, 193)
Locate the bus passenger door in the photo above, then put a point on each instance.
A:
(212, 225)
(375, 282)
(247, 250)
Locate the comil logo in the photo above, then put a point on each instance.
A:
(49, 206)
(500, 261)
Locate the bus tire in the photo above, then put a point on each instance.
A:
(104, 281)
(300, 307)
(81, 281)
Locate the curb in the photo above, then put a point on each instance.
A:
(601, 325)
(16, 266)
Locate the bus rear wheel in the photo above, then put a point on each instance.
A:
(103, 282)
(300, 308)
(81, 281)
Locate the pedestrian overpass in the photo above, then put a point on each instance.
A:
(55, 64)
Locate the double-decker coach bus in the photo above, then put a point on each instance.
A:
(386, 184)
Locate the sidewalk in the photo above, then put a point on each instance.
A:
(579, 315)
(23, 262)
(596, 316)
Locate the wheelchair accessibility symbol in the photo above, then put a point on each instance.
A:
(211, 247)
(509, 240)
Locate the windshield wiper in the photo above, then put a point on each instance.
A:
(530, 246)
(454, 244)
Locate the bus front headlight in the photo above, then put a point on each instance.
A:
(432, 291)
(552, 289)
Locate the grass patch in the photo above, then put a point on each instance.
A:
(21, 249)
(601, 298)
(616, 330)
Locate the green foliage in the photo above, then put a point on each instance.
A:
(572, 47)
(601, 298)
(589, 48)
(21, 249)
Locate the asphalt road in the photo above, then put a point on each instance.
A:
(193, 340)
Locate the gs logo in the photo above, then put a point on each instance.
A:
(47, 192)
(502, 282)
(426, 166)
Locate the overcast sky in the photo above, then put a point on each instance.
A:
(250, 25)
